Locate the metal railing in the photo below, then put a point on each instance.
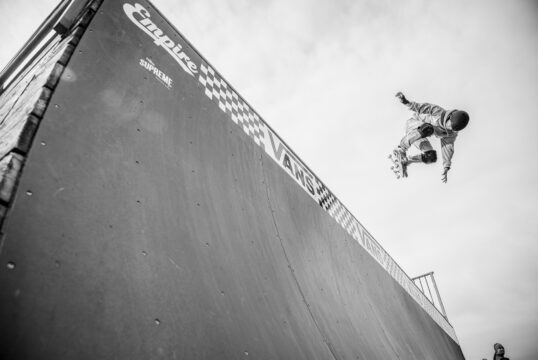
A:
(426, 280)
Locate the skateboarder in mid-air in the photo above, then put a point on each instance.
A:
(427, 120)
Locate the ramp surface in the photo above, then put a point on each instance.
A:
(158, 216)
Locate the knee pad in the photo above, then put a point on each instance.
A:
(429, 157)
(425, 130)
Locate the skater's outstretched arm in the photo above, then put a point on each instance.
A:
(447, 150)
(424, 108)
(444, 175)
(402, 98)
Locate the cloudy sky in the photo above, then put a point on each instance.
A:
(323, 74)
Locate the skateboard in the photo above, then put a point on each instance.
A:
(399, 163)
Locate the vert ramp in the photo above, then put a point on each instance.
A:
(157, 215)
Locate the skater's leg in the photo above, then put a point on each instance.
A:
(415, 134)
(414, 159)
(428, 155)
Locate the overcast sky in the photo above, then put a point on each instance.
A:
(323, 74)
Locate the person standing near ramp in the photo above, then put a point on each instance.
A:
(499, 352)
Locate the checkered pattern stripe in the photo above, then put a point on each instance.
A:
(230, 103)
(325, 198)
(335, 208)
(347, 220)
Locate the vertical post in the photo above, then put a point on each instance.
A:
(428, 285)
(438, 296)
(421, 286)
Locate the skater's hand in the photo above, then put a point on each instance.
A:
(444, 177)
(402, 98)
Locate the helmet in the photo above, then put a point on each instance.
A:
(459, 120)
